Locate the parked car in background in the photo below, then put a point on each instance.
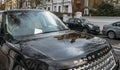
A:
(82, 25)
(38, 40)
(112, 30)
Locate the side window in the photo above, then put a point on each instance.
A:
(76, 21)
(71, 20)
(116, 24)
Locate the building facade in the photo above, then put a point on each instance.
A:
(71, 6)
(59, 6)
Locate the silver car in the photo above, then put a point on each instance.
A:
(112, 30)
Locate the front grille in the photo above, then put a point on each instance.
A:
(107, 62)
(102, 59)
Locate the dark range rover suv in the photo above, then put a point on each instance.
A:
(38, 40)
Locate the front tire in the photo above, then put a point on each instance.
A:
(111, 35)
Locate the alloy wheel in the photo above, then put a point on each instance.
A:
(111, 35)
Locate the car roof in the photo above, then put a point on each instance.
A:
(21, 10)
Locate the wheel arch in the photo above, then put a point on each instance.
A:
(115, 36)
(110, 31)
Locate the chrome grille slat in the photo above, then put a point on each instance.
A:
(106, 62)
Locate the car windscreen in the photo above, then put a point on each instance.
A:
(32, 22)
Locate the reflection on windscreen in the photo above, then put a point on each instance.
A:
(32, 22)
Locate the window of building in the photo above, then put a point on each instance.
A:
(59, 9)
(48, 0)
(66, 8)
(48, 8)
(55, 8)
(45, 8)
